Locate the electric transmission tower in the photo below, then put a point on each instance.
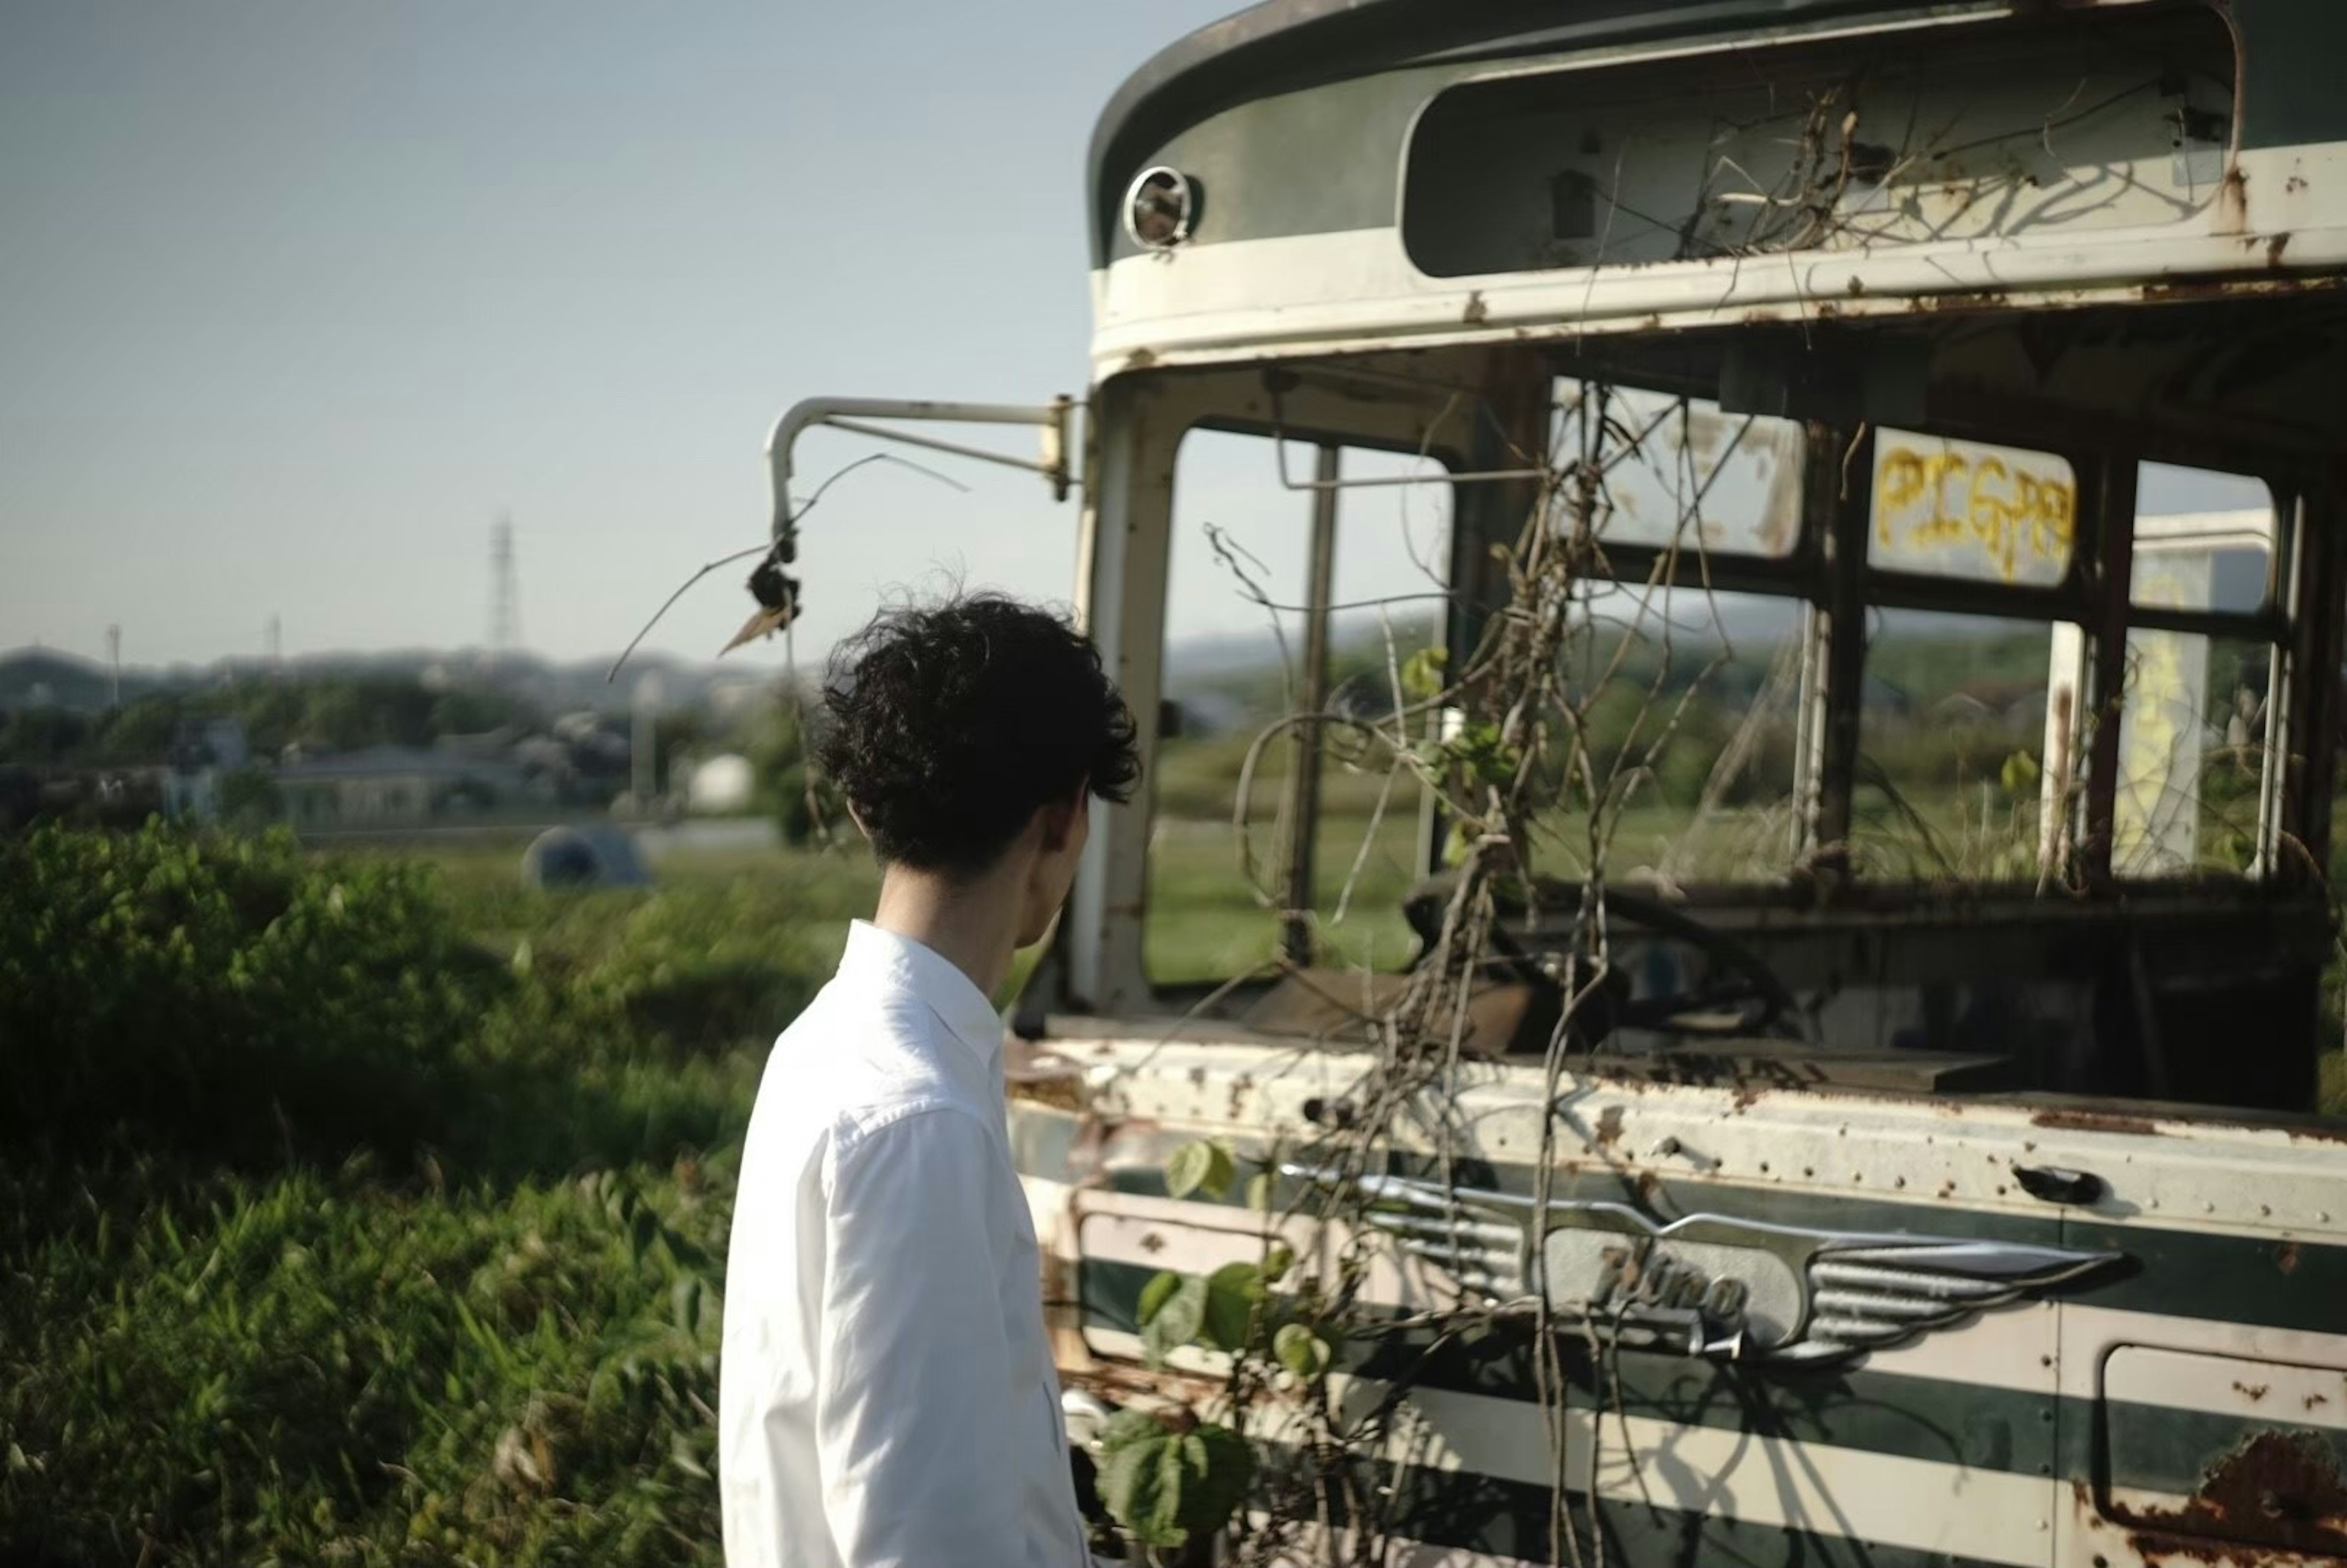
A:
(504, 594)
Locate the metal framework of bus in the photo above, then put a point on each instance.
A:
(1977, 265)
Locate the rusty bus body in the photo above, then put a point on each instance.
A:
(2034, 1252)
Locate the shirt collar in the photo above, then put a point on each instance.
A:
(886, 958)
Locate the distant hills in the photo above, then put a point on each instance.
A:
(46, 678)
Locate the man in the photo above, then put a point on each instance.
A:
(887, 1394)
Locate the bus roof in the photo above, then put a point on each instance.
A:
(1281, 46)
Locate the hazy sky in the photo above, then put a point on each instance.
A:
(297, 298)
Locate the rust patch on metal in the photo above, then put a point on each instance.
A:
(2183, 290)
(2252, 1392)
(2096, 1121)
(2286, 1257)
(2233, 202)
(1609, 1127)
(1059, 1288)
(1649, 1183)
(1120, 1382)
(2312, 1400)
(1961, 300)
(2278, 1490)
(1057, 1091)
(1743, 1100)
(1140, 359)
(1241, 1087)
(1477, 312)
(2275, 246)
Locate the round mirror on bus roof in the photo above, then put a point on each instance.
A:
(1160, 208)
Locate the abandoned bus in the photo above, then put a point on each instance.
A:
(1899, 448)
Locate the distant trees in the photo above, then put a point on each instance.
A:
(331, 712)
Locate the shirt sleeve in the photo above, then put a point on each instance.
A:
(913, 1414)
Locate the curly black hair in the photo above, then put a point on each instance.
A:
(951, 723)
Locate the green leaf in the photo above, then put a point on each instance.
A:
(684, 1304)
(1128, 1482)
(1200, 1166)
(1214, 1494)
(1301, 1350)
(1232, 1294)
(1277, 1261)
(1484, 754)
(1153, 1295)
(1127, 1427)
(1167, 1488)
(1142, 1486)
(2019, 774)
(1422, 672)
(1262, 1189)
(1177, 1321)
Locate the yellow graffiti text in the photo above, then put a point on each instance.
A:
(2010, 514)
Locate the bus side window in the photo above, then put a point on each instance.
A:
(1964, 762)
(1236, 640)
(2193, 751)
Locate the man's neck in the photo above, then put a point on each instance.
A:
(971, 925)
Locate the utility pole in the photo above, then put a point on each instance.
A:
(505, 593)
(113, 662)
(646, 732)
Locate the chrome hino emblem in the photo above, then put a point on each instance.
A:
(1710, 1285)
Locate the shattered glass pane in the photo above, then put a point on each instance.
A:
(1678, 472)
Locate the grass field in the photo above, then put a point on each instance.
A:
(461, 1305)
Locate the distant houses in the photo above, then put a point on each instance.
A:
(203, 754)
(388, 786)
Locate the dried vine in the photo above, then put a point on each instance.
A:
(1524, 759)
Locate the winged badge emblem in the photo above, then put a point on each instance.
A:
(1710, 1285)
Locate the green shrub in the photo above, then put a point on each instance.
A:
(419, 1256)
(225, 998)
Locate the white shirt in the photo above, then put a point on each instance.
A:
(886, 1398)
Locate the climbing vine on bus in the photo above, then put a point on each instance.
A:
(1504, 738)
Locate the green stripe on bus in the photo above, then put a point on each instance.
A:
(1972, 1425)
(2262, 1283)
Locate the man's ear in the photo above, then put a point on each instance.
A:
(1059, 817)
